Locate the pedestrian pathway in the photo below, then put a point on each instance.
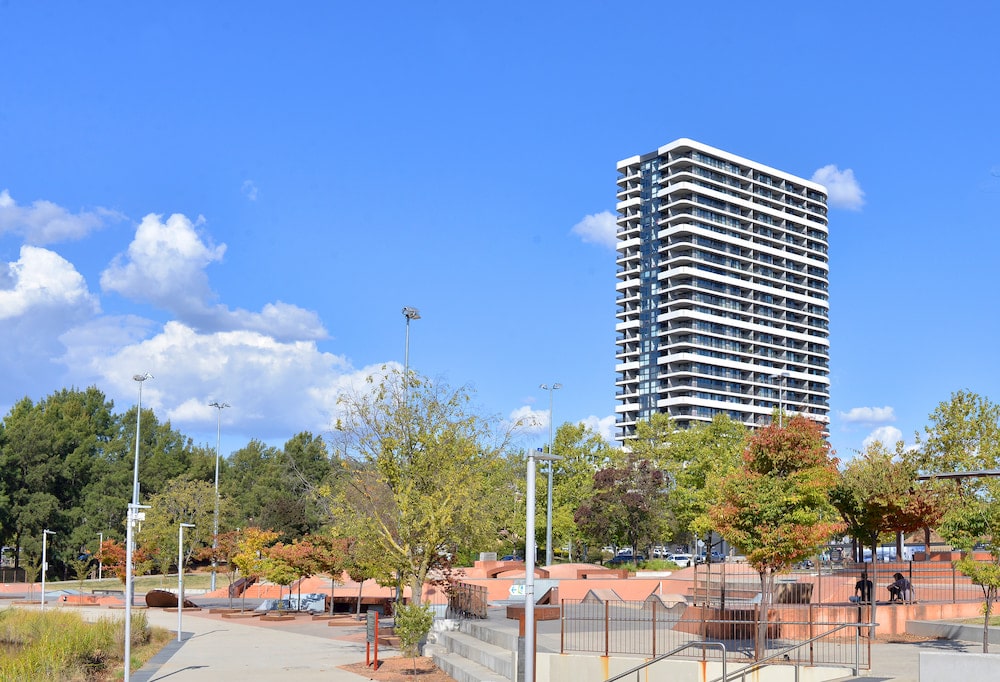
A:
(216, 649)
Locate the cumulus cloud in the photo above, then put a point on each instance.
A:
(869, 415)
(41, 296)
(531, 421)
(887, 435)
(605, 426)
(166, 265)
(843, 189)
(281, 387)
(41, 280)
(44, 222)
(598, 228)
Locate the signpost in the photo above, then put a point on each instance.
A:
(371, 635)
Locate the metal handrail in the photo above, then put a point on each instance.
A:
(756, 665)
(679, 649)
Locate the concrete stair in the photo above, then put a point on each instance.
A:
(476, 652)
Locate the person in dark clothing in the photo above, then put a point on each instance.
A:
(863, 589)
(900, 590)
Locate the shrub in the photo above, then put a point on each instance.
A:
(413, 622)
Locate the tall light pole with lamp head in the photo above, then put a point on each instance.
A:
(138, 420)
(781, 396)
(548, 505)
(45, 564)
(215, 521)
(130, 544)
(180, 574)
(530, 549)
(410, 314)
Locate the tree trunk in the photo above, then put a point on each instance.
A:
(990, 596)
(927, 543)
(899, 545)
(766, 593)
(360, 585)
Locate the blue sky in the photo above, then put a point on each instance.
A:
(240, 198)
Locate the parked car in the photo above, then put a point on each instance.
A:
(717, 558)
(682, 560)
(620, 559)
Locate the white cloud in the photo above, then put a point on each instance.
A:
(888, 435)
(45, 222)
(165, 265)
(605, 426)
(274, 387)
(843, 189)
(41, 296)
(249, 190)
(598, 228)
(531, 421)
(43, 280)
(869, 415)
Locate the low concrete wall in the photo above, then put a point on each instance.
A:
(580, 668)
(940, 665)
(965, 632)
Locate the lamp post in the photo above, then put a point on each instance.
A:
(100, 564)
(133, 517)
(410, 314)
(548, 504)
(529, 566)
(215, 520)
(45, 564)
(781, 396)
(129, 548)
(180, 574)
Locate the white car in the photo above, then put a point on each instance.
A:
(682, 560)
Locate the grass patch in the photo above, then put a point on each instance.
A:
(59, 646)
(143, 583)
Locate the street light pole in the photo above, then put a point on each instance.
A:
(134, 516)
(45, 564)
(530, 548)
(138, 420)
(781, 397)
(410, 314)
(548, 504)
(180, 574)
(215, 521)
(100, 564)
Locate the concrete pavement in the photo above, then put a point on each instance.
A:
(214, 648)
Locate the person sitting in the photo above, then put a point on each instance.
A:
(900, 590)
(863, 589)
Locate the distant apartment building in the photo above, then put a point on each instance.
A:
(722, 301)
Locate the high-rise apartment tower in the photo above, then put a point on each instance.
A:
(722, 289)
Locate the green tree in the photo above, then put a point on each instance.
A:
(628, 505)
(269, 486)
(975, 520)
(182, 501)
(412, 623)
(964, 435)
(251, 557)
(776, 505)
(48, 453)
(697, 456)
(584, 452)
(420, 473)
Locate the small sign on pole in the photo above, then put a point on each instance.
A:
(371, 637)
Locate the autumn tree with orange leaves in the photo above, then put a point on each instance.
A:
(776, 505)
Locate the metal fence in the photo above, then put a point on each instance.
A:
(467, 601)
(648, 628)
(726, 584)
